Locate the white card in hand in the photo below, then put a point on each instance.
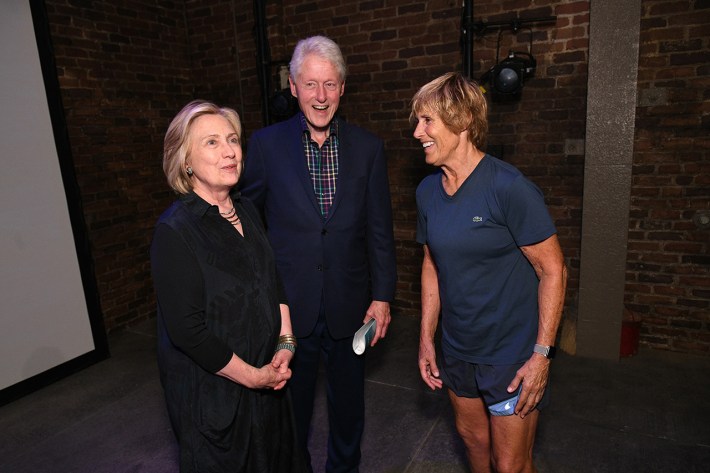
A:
(364, 336)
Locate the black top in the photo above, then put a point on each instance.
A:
(218, 293)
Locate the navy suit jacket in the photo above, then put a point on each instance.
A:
(343, 261)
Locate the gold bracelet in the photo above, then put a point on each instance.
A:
(289, 339)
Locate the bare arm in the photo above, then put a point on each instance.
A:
(282, 358)
(547, 260)
(273, 375)
(241, 372)
(431, 307)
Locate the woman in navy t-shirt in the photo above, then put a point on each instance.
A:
(493, 269)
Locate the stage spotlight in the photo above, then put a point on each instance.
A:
(508, 76)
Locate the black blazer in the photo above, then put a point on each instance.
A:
(343, 261)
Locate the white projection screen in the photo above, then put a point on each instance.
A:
(50, 322)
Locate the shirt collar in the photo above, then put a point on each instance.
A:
(306, 131)
(198, 206)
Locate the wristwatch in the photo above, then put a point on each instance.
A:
(544, 350)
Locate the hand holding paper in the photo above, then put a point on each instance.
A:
(363, 336)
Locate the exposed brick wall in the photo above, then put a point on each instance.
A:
(223, 56)
(123, 72)
(668, 282)
(126, 67)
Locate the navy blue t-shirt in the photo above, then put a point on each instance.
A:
(487, 286)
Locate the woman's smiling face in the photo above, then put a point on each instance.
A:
(438, 141)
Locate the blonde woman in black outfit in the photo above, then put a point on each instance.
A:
(224, 328)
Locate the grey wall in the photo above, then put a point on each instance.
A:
(611, 111)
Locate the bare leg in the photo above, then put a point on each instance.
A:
(473, 425)
(512, 441)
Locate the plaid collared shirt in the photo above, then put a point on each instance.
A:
(322, 164)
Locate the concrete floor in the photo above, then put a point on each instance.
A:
(646, 413)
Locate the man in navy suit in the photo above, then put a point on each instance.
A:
(322, 186)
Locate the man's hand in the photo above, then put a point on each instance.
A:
(380, 311)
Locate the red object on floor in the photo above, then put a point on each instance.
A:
(630, 330)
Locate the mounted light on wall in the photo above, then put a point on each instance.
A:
(505, 80)
(508, 76)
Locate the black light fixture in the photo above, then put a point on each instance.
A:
(508, 76)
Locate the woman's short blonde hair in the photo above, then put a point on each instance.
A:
(177, 143)
(459, 103)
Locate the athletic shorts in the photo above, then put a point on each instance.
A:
(489, 382)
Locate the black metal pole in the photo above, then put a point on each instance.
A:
(467, 38)
(262, 57)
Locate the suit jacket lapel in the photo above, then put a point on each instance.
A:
(297, 158)
(344, 166)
